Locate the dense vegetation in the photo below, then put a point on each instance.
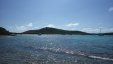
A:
(48, 30)
(3, 31)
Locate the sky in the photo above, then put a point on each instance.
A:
(83, 15)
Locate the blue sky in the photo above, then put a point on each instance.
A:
(83, 15)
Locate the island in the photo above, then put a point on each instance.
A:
(3, 31)
(50, 30)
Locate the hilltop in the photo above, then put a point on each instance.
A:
(3, 31)
(49, 30)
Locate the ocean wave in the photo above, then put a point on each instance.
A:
(69, 52)
(97, 57)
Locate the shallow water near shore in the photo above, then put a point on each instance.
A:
(56, 49)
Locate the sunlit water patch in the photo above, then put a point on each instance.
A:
(56, 49)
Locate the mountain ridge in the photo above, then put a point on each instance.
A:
(3, 31)
(50, 30)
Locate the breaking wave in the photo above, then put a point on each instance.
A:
(68, 52)
(97, 57)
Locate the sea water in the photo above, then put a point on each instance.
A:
(56, 49)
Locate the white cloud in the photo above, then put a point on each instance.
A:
(50, 25)
(26, 27)
(21, 28)
(72, 24)
(110, 9)
(30, 25)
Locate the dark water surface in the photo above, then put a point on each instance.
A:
(56, 49)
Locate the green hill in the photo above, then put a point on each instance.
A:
(3, 31)
(49, 30)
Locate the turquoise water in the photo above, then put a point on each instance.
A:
(56, 49)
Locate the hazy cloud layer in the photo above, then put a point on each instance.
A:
(90, 30)
(26, 27)
(70, 26)
(110, 9)
(97, 30)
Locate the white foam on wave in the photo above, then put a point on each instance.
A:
(97, 57)
(59, 50)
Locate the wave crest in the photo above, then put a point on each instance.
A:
(69, 52)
